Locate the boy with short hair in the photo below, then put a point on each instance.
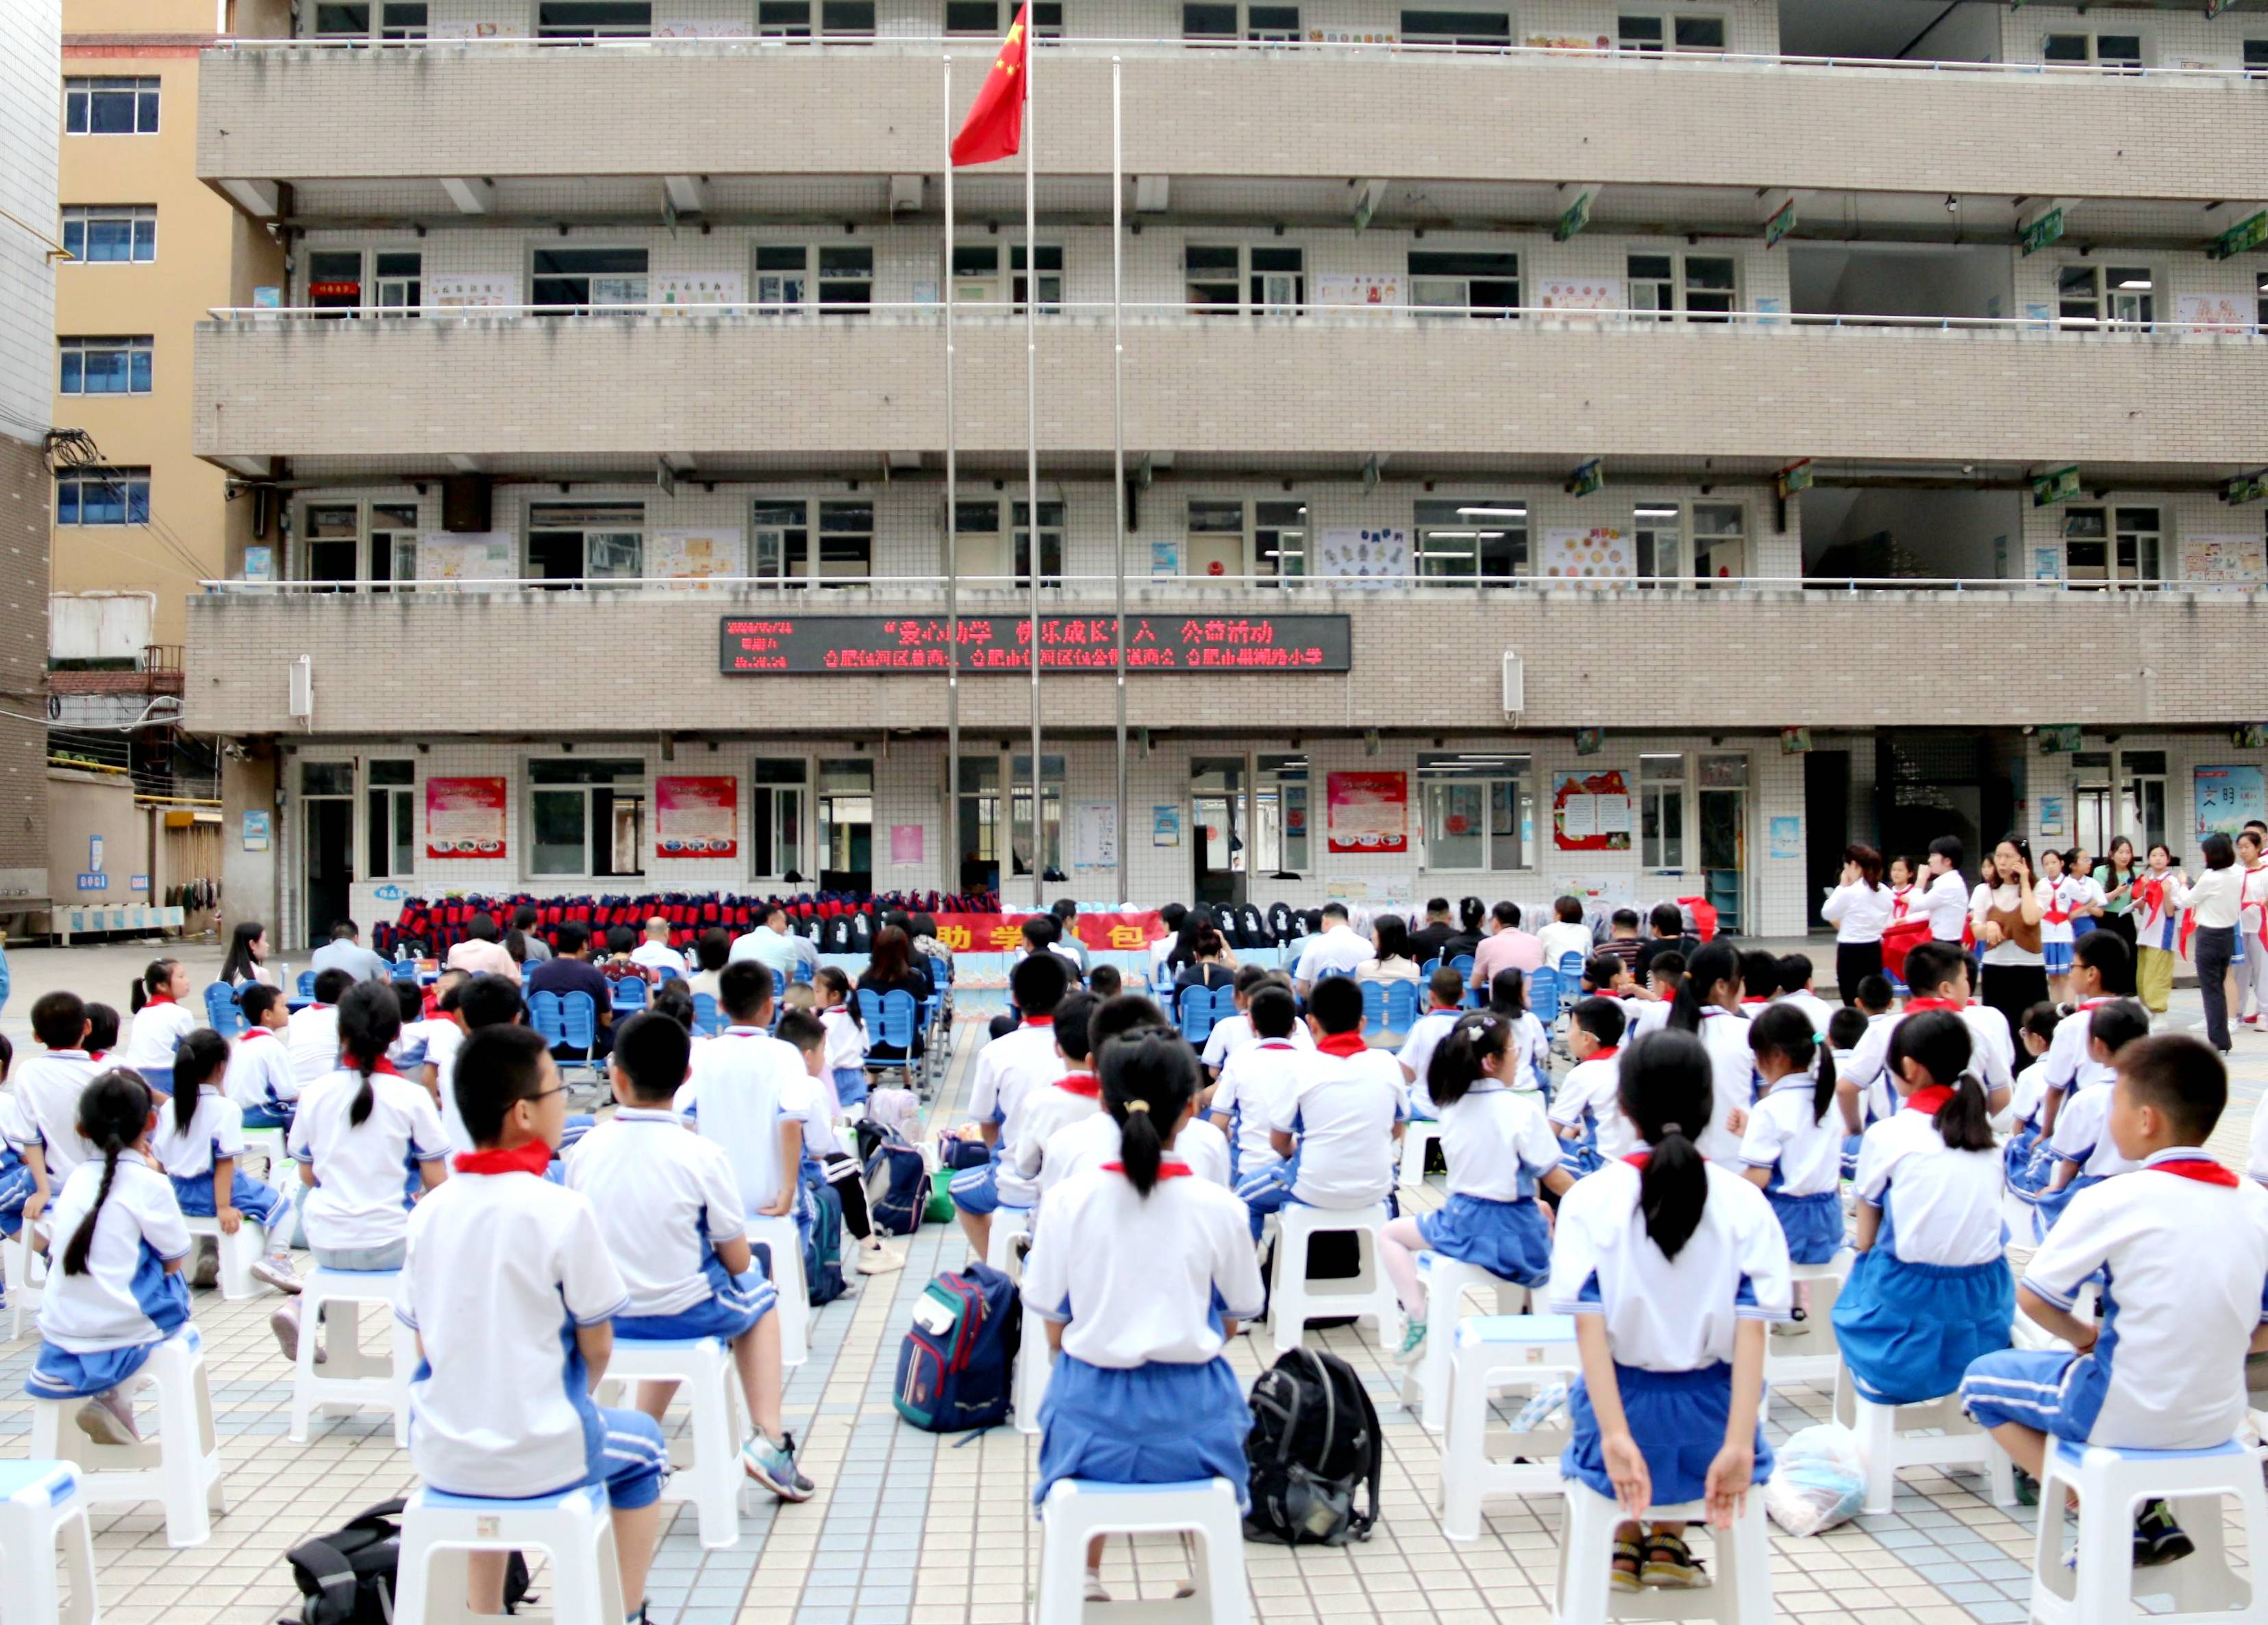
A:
(495, 1255)
(1938, 973)
(311, 1037)
(1446, 990)
(1008, 1069)
(1232, 1033)
(1336, 1126)
(670, 1213)
(1256, 1078)
(1103, 981)
(1794, 988)
(825, 1157)
(2084, 1150)
(1874, 995)
(1566, 934)
(1668, 921)
(2186, 1258)
(1586, 1108)
(1074, 1096)
(2102, 972)
(47, 1086)
(751, 1095)
(260, 1076)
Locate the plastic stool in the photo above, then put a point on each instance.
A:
(237, 1255)
(1496, 1351)
(1417, 1134)
(1816, 1357)
(720, 1425)
(1076, 1510)
(1010, 1225)
(41, 1504)
(1035, 1361)
(2111, 1485)
(1293, 1300)
(348, 1379)
(270, 1144)
(573, 1525)
(24, 1268)
(1446, 1281)
(785, 1239)
(180, 1469)
(1741, 1595)
(1889, 1439)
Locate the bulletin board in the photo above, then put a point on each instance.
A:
(465, 818)
(1367, 812)
(696, 817)
(2227, 797)
(1591, 812)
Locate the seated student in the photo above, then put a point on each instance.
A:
(200, 1144)
(47, 1086)
(470, 1004)
(2026, 1160)
(434, 1035)
(1845, 1029)
(1794, 988)
(1008, 1069)
(1531, 1045)
(409, 1051)
(161, 1020)
(2185, 1256)
(1232, 1033)
(1587, 1107)
(2102, 973)
(1104, 982)
(504, 1267)
(1622, 938)
(1793, 1146)
(1141, 1275)
(1666, 921)
(753, 1095)
(1666, 1410)
(1336, 1125)
(1938, 973)
(117, 1292)
(1606, 975)
(16, 1182)
(669, 1211)
(846, 1036)
(826, 1160)
(1566, 934)
(1258, 1078)
(1335, 950)
(1445, 993)
(1874, 996)
(1759, 980)
(1651, 1014)
(101, 1030)
(1709, 1006)
(1091, 1141)
(711, 951)
(2084, 1152)
(310, 1036)
(1930, 1291)
(619, 965)
(1074, 1096)
(1500, 1149)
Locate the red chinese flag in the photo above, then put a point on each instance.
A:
(995, 126)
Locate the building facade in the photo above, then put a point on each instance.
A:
(1527, 419)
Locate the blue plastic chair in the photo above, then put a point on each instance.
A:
(629, 994)
(545, 1015)
(1195, 1012)
(222, 1011)
(1570, 968)
(1462, 965)
(1426, 969)
(708, 1021)
(405, 970)
(307, 984)
(1543, 995)
(891, 1018)
(578, 1014)
(1401, 1006)
(1373, 1007)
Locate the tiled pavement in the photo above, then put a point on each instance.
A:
(912, 1529)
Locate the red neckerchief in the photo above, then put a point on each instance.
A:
(1929, 1099)
(1039, 1021)
(1931, 1001)
(432, 1006)
(381, 1065)
(533, 1158)
(155, 1000)
(1166, 1169)
(259, 1032)
(1278, 1043)
(1898, 904)
(1342, 1044)
(1638, 1159)
(1608, 1053)
(2154, 895)
(2204, 1169)
(1760, 1000)
(2093, 1004)
(96, 1055)
(1082, 1084)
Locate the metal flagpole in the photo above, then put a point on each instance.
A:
(1118, 445)
(1031, 456)
(949, 845)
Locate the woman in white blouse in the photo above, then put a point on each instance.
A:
(2214, 901)
(1857, 909)
(2006, 911)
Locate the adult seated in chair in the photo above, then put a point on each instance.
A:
(712, 952)
(346, 952)
(1337, 948)
(789, 957)
(1394, 960)
(570, 971)
(891, 969)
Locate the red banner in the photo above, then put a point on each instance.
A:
(1004, 934)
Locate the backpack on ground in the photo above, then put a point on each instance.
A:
(954, 1365)
(1314, 1445)
(897, 1186)
(822, 1248)
(348, 1575)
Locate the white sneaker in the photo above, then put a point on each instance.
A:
(108, 1418)
(878, 1260)
(277, 1272)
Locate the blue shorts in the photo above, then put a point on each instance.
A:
(274, 1114)
(1266, 1191)
(257, 1201)
(850, 1086)
(15, 1187)
(1157, 1424)
(735, 1304)
(976, 1191)
(623, 1449)
(2045, 1390)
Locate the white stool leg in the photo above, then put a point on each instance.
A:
(236, 1253)
(1587, 1549)
(180, 1463)
(2001, 1472)
(413, 1580)
(1289, 1288)
(1877, 1428)
(303, 1366)
(2105, 1574)
(1464, 1456)
(405, 1372)
(47, 1429)
(32, 1568)
(1063, 1560)
(1222, 1569)
(587, 1584)
(715, 1496)
(76, 1532)
(1442, 1305)
(1747, 1549)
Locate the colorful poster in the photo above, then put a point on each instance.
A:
(692, 555)
(465, 817)
(696, 817)
(1338, 290)
(906, 845)
(2236, 560)
(447, 291)
(1568, 42)
(1002, 933)
(2214, 313)
(1786, 836)
(1580, 293)
(1381, 555)
(1165, 826)
(1603, 552)
(1367, 812)
(1094, 835)
(2052, 819)
(454, 556)
(730, 287)
(2228, 796)
(1591, 812)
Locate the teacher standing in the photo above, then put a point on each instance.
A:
(1858, 909)
(2214, 902)
(2006, 911)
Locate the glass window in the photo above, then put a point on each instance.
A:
(846, 18)
(783, 20)
(2138, 537)
(105, 365)
(846, 278)
(1051, 543)
(781, 541)
(1639, 33)
(1279, 279)
(1472, 539)
(2118, 51)
(327, 778)
(783, 274)
(581, 279)
(846, 541)
(110, 106)
(2079, 293)
(2132, 296)
(331, 545)
(1272, 24)
(1478, 810)
(390, 820)
(399, 278)
(1203, 20)
(1438, 27)
(103, 496)
(569, 542)
(334, 280)
(573, 20)
(1209, 277)
(1279, 816)
(396, 20)
(1720, 541)
(1279, 540)
(588, 816)
(1661, 811)
(1700, 33)
(776, 835)
(1710, 286)
(1051, 808)
(2256, 56)
(393, 550)
(1463, 281)
(111, 233)
(1655, 529)
(1652, 281)
(978, 17)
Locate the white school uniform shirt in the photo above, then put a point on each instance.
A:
(744, 1084)
(1561, 938)
(2062, 894)
(1783, 1134)
(1857, 911)
(1343, 1110)
(1205, 1149)
(140, 1226)
(2216, 897)
(665, 1199)
(1011, 1067)
(1232, 1033)
(1045, 1113)
(2082, 1133)
(1667, 1314)
(155, 1032)
(359, 1201)
(2158, 927)
(1946, 902)
(502, 1269)
(1812, 1005)
(1338, 949)
(1078, 1148)
(1732, 1083)
(1424, 1037)
(1991, 1052)
(260, 1070)
(1642, 1016)
(1497, 1143)
(1253, 1093)
(2066, 1064)
(846, 1040)
(311, 1036)
(2255, 1160)
(1136, 1277)
(216, 1129)
(443, 1039)
(1948, 1209)
(1531, 1053)
(1595, 1085)
(47, 1086)
(2186, 1262)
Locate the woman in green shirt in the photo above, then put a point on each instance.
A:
(2118, 876)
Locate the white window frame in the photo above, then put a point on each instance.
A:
(593, 306)
(83, 216)
(381, 29)
(1250, 300)
(1474, 515)
(398, 801)
(1468, 42)
(792, 292)
(642, 528)
(641, 785)
(1670, 519)
(2116, 308)
(1462, 303)
(133, 86)
(2152, 544)
(1668, 44)
(1681, 289)
(986, 288)
(1653, 849)
(607, 31)
(1696, 539)
(2094, 37)
(1047, 21)
(1254, 570)
(772, 794)
(1518, 772)
(1244, 30)
(129, 346)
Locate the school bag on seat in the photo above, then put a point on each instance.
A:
(348, 1575)
(954, 1365)
(897, 1184)
(1314, 1447)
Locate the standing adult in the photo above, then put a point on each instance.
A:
(2118, 876)
(2214, 901)
(2006, 911)
(248, 955)
(1858, 908)
(1945, 895)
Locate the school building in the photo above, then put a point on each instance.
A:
(1629, 448)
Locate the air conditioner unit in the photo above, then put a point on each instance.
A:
(1516, 685)
(302, 688)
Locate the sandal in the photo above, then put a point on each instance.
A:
(1670, 1566)
(1627, 1579)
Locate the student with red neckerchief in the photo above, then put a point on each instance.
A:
(162, 1019)
(1587, 1107)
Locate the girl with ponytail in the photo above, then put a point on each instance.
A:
(1131, 1261)
(200, 1144)
(1530, 1066)
(161, 1020)
(1931, 1289)
(118, 1292)
(1793, 1147)
(1671, 1265)
(1499, 1147)
(1708, 1005)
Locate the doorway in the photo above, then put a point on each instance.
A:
(846, 826)
(327, 841)
(1724, 799)
(1216, 840)
(1826, 826)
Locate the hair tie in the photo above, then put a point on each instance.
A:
(1668, 1129)
(1133, 1106)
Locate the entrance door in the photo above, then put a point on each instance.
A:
(1216, 831)
(327, 841)
(1826, 825)
(846, 826)
(1724, 799)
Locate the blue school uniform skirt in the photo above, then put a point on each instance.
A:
(15, 1187)
(1908, 1331)
(1812, 1224)
(2056, 958)
(1677, 1418)
(2048, 1206)
(1159, 1423)
(735, 1303)
(2021, 1164)
(255, 1198)
(1511, 1240)
(62, 1374)
(851, 1087)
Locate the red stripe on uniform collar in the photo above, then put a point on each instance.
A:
(1039, 1021)
(1929, 1099)
(1083, 1083)
(155, 1000)
(1931, 1001)
(1166, 1170)
(534, 1158)
(1756, 1001)
(2204, 1169)
(1342, 1044)
(1608, 1053)
(1638, 1159)
(1278, 1043)
(258, 1032)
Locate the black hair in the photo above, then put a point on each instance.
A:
(1471, 913)
(497, 1067)
(483, 925)
(2040, 1021)
(1039, 980)
(2110, 959)
(155, 975)
(1274, 1011)
(573, 936)
(201, 1057)
(1795, 973)
(1669, 965)
(524, 918)
(1931, 965)
(1869, 862)
(1038, 930)
(1601, 1018)
(2180, 1077)
(369, 1021)
(1104, 982)
(1064, 909)
(1248, 976)
(1335, 909)
(743, 988)
(59, 1020)
(1459, 1057)
(1447, 986)
(1071, 1016)
(344, 930)
(1875, 992)
(1569, 909)
(1624, 918)
(101, 1028)
(114, 1110)
(1667, 1091)
(1712, 962)
(1508, 992)
(409, 998)
(713, 949)
(1149, 1077)
(803, 1030)
(2117, 1025)
(1507, 915)
(1947, 847)
(1846, 1027)
(238, 966)
(1759, 974)
(835, 979)
(672, 999)
(621, 939)
(1172, 915)
(331, 985)
(1600, 970)
(1668, 920)
(7, 1057)
(1336, 1002)
(1938, 1042)
(1119, 1017)
(1785, 1031)
(1393, 934)
(489, 1000)
(653, 1052)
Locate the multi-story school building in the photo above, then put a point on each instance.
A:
(1529, 416)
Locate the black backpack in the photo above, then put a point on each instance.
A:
(1314, 1445)
(347, 1577)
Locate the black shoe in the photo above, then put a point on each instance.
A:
(2158, 1538)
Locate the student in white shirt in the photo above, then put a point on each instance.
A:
(1254, 1087)
(1074, 1096)
(1531, 1044)
(1126, 1273)
(161, 1020)
(1858, 908)
(1930, 1291)
(656, 954)
(1232, 1033)
(2102, 972)
(846, 1036)
(1938, 973)
(1566, 934)
(312, 1034)
(753, 1095)
(1670, 1266)
(1793, 1146)
(261, 1077)
(2058, 893)
(2182, 1247)
(1447, 992)
(1794, 988)
(2024, 1157)
(1944, 893)
(1337, 948)
(2252, 905)
(1708, 1005)
(1336, 1126)
(200, 1144)
(46, 1088)
(117, 1291)
(16, 1182)
(2081, 1149)
(1846, 1029)
(1008, 1069)
(827, 1159)
(671, 1214)
(1500, 1148)
(1587, 1107)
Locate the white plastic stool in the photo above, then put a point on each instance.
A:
(1293, 1300)
(785, 1239)
(1889, 1439)
(1495, 1351)
(1035, 1361)
(1077, 1511)
(1010, 1225)
(2112, 1484)
(238, 1254)
(573, 1525)
(41, 1504)
(1417, 1134)
(270, 1142)
(348, 1379)
(711, 1480)
(23, 1269)
(1446, 1281)
(180, 1468)
(1811, 1355)
(1743, 1591)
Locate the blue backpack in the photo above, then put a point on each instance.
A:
(897, 1186)
(822, 1246)
(954, 1365)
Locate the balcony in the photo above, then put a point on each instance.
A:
(615, 392)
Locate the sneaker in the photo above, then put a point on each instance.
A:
(277, 1272)
(2158, 1538)
(1413, 1343)
(108, 1418)
(204, 1274)
(1669, 1566)
(878, 1260)
(773, 1466)
(286, 1324)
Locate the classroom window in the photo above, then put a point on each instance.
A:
(1224, 20)
(2260, 299)
(330, 545)
(571, 543)
(2103, 546)
(327, 778)
(1476, 810)
(1461, 281)
(846, 18)
(983, 17)
(1210, 274)
(573, 21)
(387, 20)
(1221, 278)
(582, 279)
(390, 820)
(1705, 287)
(783, 276)
(977, 278)
(1472, 28)
(393, 551)
(1475, 539)
(103, 496)
(1279, 279)
(398, 282)
(335, 281)
(1720, 543)
(783, 20)
(111, 233)
(1279, 816)
(110, 106)
(1279, 541)
(105, 365)
(1052, 779)
(1655, 533)
(1649, 34)
(2256, 56)
(2090, 295)
(2122, 51)
(780, 542)
(1051, 543)
(1661, 811)
(775, 817)
(588, 816)
(846, 543)
(846, 279)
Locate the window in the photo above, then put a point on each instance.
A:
(2087, 293)
(335, 281)
(2256, 56)
(393, 546)
(1656, 529)
(582, 279)
(1705, 286)
(588, 816)
(775, 832)
(846, 824)
(2106, 546)
(388, 19)
(390, 820)
(401, 284)
(1475, 283)
(1478, 810)
(1273, 549)
(1218, 20)
(1051, 810)
(1661, 811)
(846, 541)
(846, 278)
(327, 778)
(331, 545)
(977, 275)
(780, 533)
(1279, 816)
(2260, 299)
(110, 106)
(571, 21)
(2106, 50)
(1210, 276)
(105, 365)
(1218, 276)
(569, 542)
(1475, 539)
(111, 233)
(991, 18)
(1279, 543)
(1051, 543)
(103, 496)
(1478, 28)
(783, 20)
(783, 274)
(846, 18)
(1721, 547)
(1648, 34)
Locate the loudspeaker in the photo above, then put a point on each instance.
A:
(465, 502)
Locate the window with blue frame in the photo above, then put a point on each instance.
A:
(111, 233)
(105, 365)
(103, 496)
(110, 106)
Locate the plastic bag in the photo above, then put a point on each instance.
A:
(1538, 1410)
(1818, 1480)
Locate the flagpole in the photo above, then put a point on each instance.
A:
(1118, 445)
(949, 834)
(1031, 456)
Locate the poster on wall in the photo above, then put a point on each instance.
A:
(2226, 797)
(1367, 812)
(448, 292)
(1340, 290)
(693, 555)
(2214, 313)
(1786, 836)
(1094, 835)
(1591, 812)
(906, 846)
(1602, 552)
(1352, 554)
(452, 555)
(1580, 295)
(1165, 826)
(729, 287)
(465, 817)
(696, 817)
(2236, 560)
